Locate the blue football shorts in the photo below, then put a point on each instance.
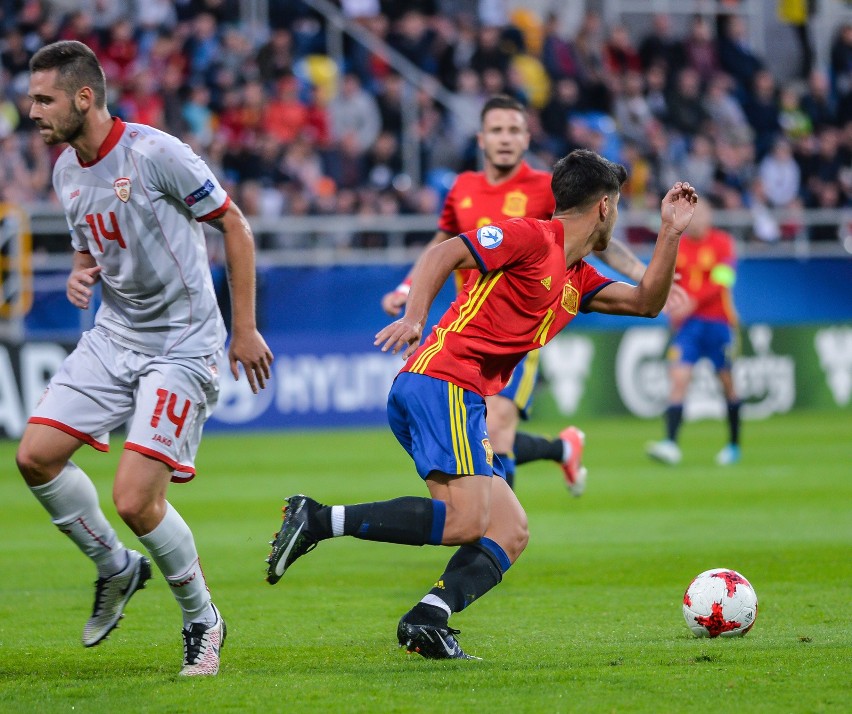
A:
(522, 383)
(699, 338)
(441, 426)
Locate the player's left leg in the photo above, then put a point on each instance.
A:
(139, 493)
(173, 400)
(730, 454)
(502, 424)
(722, 349)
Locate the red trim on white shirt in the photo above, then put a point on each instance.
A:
(215, 214)
(109, 143)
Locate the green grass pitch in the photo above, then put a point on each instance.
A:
(588, 620)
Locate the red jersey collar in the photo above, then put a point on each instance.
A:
(108, 144)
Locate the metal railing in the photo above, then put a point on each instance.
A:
(330, 240)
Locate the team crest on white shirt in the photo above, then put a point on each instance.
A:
(121, 186)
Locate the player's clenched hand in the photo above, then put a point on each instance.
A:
(678, 206)
(393, 302)
(398, 335)
(78, 289)
(249, 349)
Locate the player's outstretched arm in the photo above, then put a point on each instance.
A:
(620, 257)
(649, 296)
(428, 277)
(85, 272)
(247, 347)
(394, 301)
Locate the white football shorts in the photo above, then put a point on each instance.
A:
(164, 401)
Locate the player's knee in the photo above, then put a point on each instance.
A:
(465, 526)
(517, 537)
(33, 467)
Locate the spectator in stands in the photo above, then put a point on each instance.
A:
(412, 38)
(701, 49)
(761, 109)
(656, 92)
(15, 57)
(490, 53)
(794, 122)
(725, 112)
(120, 52)
(687, 114)
(735, 56)
(699, 164)
(817, 101)
(564, 103)
(662, 46)
(619, 54)
(557, 53)
(733, 175)
(275, 57)
(780, 175)
(631, 111)
(285, 116)
(354, 112)
(841, 61)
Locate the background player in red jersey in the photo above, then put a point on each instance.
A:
(705, 325)
(134, 198)
(508, 187)
(532, 281)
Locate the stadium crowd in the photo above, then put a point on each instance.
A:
(292, 134)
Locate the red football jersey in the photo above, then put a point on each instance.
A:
(696, 258)
(523, 297)
(473, 202)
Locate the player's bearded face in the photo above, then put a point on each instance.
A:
(54, 112)
(605, 233)
(66, 128)
(504, 138)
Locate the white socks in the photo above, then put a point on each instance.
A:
(172, 548)
(72, 502)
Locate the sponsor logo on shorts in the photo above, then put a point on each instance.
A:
(74, 194)
(489, 236)
(162, 439)
(121, 186)
(199, 193)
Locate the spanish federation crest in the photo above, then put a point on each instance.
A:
(515, 205)
(570, 298)
(121, 186)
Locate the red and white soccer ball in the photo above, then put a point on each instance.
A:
(720, 602)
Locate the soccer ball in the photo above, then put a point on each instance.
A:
(719, 602)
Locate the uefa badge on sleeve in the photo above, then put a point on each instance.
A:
(121, 186)
(489, 236)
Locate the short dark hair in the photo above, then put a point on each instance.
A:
(501, 101)
(580, 178)
(76, 65)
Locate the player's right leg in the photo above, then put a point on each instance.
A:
(70, 497)
(473, 570)
(82, 403)
(683, 356)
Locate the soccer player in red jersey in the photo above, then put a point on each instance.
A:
(135, 198)
(508, 187)
(704, 326)
(532, 281)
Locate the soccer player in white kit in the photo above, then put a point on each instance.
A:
(134, 198)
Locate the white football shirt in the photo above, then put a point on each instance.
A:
(136, 208)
